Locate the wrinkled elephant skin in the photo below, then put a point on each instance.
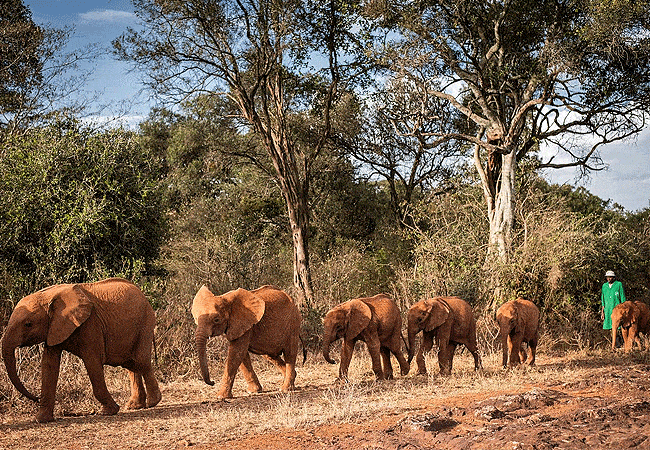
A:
(373, 320)
(518, 322)
(264, 321)
(451, 321)
(105, 323)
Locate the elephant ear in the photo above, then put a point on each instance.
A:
(358, 317)
(439, 312)
(246, 310)
(68, 309)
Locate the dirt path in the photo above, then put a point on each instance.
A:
(588, 402)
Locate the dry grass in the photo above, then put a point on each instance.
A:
(189, 415)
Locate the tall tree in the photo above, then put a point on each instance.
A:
(20, 66)
(257, 53)
(37, 74)
(571, 75)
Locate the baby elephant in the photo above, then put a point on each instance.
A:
(451, 321)
(377, 322)
(264, 322)
(633, 318)
(518, 323)
(105, 323)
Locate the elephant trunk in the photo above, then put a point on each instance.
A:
(615, 325)
(504, 344)
(201, 339)
(9, 357)
(327, 343)
(412, 335)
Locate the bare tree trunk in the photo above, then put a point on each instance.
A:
(293, 176)
(502, 214)
(498, 181)
(299, 221)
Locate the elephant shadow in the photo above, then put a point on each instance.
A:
(164, 411)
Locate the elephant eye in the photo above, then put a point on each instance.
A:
(28, 324)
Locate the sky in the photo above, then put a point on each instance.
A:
(626, 180)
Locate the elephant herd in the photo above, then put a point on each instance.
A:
(110, 322)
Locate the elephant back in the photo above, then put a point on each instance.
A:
(644, 317)
(385, 312)
(281, 319)
(464, 323)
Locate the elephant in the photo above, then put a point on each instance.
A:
(633, 317)
(451, 321)
(109, 322)
(374, 320)
(518, 322)
(264, 322)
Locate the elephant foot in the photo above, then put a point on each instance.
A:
(109, 410)
(254, 389)
(136, 404)
(224, 395)
(44, 416)
(153, 399)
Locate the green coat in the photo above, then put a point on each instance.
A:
(611, 296)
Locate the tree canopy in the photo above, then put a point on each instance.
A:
(568, 76)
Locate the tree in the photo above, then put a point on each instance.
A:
(399, 123)
(20, 66)
(256, 53)
(34, 69)
(572, 75)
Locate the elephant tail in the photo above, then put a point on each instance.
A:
(155, 351)
(304, 349)
(406, 344)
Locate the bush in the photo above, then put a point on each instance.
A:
(76, 205)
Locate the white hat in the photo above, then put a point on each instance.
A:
(610, 273)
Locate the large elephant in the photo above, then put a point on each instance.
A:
(105, 323)
(633, 317)
(451, 321)
(264, 322)
(518, 322)
(375, 321)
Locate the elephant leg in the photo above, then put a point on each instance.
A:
(514, 348)
(446, 357)
(477, 357)
(425, 347)
(153, 390)
(246, 367)
(138, 398)
(95, 370)
(386, 364)
(629, 336)
(347, 349)
(523, 356)
(396, 349)
(289, 371)
(237, 353)
(50, 367)
(374, 348)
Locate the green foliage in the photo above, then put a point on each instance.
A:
(76, 204)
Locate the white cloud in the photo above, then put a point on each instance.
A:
(107, 16)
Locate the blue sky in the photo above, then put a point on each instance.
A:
(626, 181)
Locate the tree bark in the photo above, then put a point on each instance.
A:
(502, 213)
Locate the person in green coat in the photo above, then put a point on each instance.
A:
(611, 295)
